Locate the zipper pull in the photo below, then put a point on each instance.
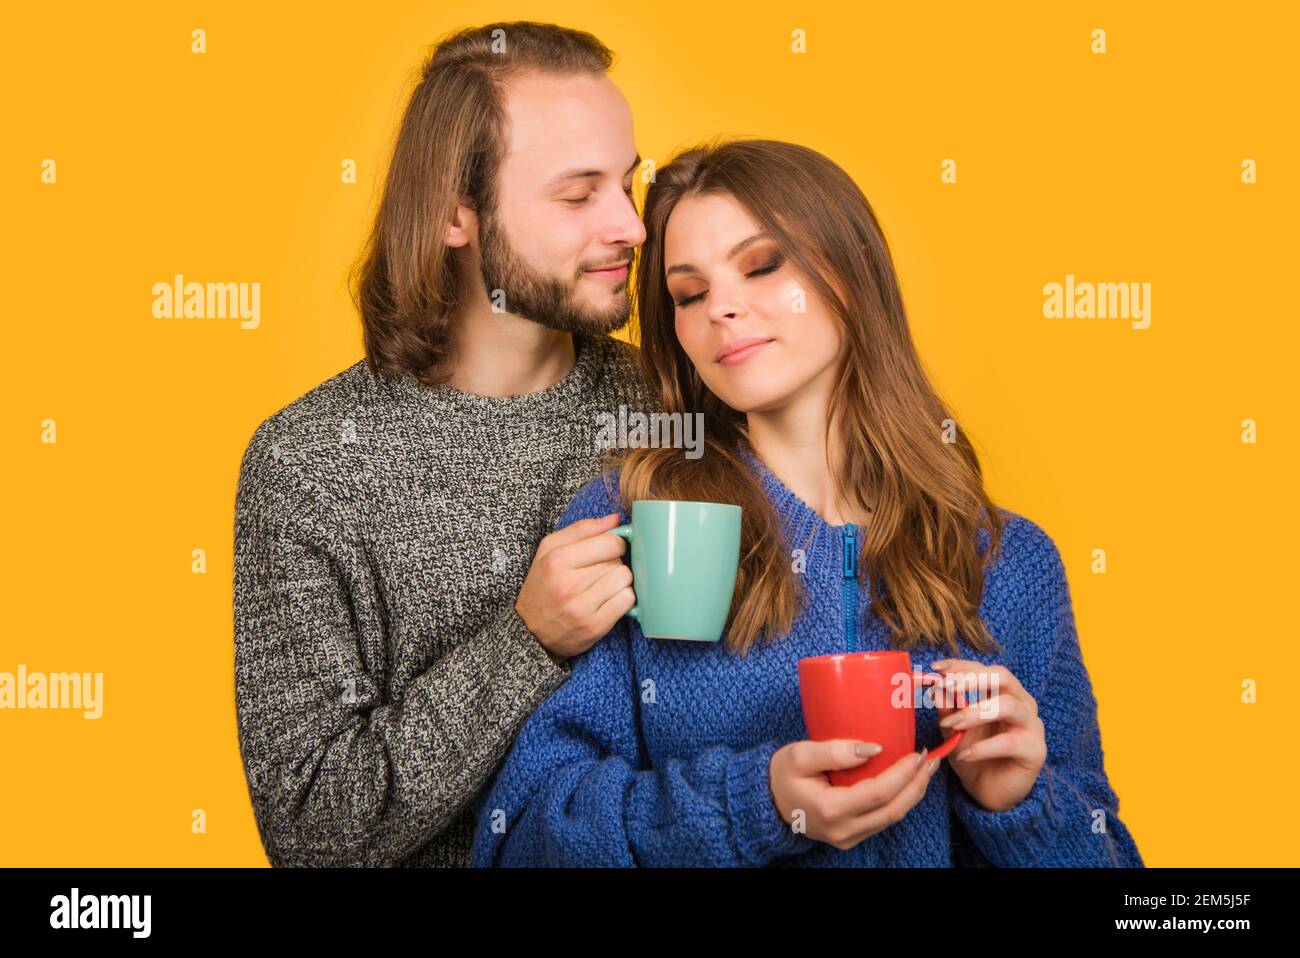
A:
(850, 551)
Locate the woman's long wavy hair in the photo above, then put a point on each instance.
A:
(449, 146)
(900, 446)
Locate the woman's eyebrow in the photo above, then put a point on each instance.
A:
(731, 253)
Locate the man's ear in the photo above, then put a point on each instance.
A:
(463, 225)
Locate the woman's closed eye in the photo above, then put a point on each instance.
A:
(770, 267)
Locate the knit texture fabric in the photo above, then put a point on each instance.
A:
(656, 752)
(383, 529)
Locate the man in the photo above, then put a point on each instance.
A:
(400, 608)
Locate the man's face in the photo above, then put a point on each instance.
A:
(563, 205)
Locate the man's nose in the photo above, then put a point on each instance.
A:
(625, 228)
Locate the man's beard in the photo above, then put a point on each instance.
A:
(546, 300)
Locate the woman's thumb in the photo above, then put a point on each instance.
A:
(847, 752)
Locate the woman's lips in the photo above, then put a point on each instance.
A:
(740, 355)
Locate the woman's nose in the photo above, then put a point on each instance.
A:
(723, 305)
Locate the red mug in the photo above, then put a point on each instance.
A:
(869, 696)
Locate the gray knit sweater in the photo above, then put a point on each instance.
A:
(383, 529)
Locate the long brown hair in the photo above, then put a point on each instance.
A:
(919, 552)
(449, 146)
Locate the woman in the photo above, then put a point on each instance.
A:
(768, 302)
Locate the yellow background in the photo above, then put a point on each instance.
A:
(225, 166)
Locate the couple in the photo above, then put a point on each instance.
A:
(426, 673)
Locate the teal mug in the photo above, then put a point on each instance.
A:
(684, 561)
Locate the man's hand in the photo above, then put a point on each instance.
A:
(576, 588)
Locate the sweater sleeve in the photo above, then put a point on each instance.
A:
(1070, 818)
(338, 773)
(577, 788)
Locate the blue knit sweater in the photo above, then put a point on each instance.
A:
(656, 752)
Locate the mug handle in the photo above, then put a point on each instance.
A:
(625, 532)
(953, 740)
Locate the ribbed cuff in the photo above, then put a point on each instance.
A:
(1024, 835)
(550, 675)
(761, 834)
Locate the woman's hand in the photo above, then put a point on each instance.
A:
(843, 815)
(1005, 744)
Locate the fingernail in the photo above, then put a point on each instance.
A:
(933, 765)
(921, 758)
(865, 749)
(950, 720)
(961, 756)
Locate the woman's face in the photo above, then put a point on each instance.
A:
(757, 334)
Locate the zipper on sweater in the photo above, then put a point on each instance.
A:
(850, 537)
